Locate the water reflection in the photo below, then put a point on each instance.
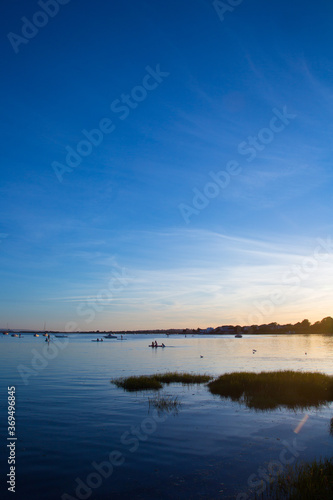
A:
(70, 416)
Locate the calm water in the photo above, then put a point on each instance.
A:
(70, 418)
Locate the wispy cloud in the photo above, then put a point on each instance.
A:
(219, 276)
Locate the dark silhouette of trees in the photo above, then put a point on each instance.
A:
(323, 326)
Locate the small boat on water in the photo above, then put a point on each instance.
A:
(61, 336)
(97, 340)
(5, 333)
(151, 345)
(238, 336)
(36, 335)
(14, 335)
(110, 336)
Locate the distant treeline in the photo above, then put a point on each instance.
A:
(323, 326)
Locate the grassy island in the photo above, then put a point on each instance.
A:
(155, 382)
(269, 390)
(261, 391)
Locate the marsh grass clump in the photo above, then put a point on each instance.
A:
(305, 481)
(269, 390)
(165, 403)
(155, 382)
(182, 378)
(140, 383)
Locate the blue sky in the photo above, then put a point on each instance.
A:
(124, 240)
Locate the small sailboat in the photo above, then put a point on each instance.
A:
(45, 334)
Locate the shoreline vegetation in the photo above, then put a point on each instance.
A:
(313, 480)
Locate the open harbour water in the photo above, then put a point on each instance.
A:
(80, 437)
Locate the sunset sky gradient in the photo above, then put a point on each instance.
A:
(194, 205)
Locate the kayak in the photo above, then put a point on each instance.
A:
(156, 345)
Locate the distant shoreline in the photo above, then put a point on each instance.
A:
(151, 332)
(323, 327)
